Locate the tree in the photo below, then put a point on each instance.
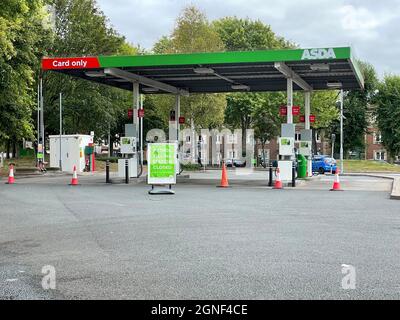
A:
(82, 29)
(266, 123)
(246, 35)
(240, 111)
(356, 112)
(323, 106)
(387, 114)
(21, 31)
(192, 33)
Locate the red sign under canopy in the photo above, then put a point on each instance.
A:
(130, 113)
(283, 111)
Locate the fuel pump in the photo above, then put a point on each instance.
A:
(129, 152)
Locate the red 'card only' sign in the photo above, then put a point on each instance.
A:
(312, 118)
(70, 63)
(283, 111)
(140, 113)
(181, 120)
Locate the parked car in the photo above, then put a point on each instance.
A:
(322, 164)
(239, 163)
(235, 163)
(229, 162)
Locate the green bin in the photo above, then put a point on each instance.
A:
(89, 150)
(301, 166)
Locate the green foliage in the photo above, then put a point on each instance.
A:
(21, 31)
(356, 111)
(82, 29)
(246, 110)
(266, 123)
(193, 33)
(323, 106)
(240, 109)
(248, 35)
(388, 113)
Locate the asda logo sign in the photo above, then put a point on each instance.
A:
(315, 54)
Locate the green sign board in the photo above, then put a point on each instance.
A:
(161, 161)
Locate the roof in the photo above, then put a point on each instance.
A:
(215, 72)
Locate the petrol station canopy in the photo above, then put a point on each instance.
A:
(244, 71)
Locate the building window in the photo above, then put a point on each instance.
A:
(187, 139)
(232, 154)
(297, 137)
(380, 155)
(260, 153)
(232, 138)
(318, 137)
(377, 138)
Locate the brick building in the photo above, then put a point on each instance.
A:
(374, 150)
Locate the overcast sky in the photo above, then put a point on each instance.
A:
(371, 27)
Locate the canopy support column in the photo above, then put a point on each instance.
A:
(289, 100)
(178, 114)
(136, 106)
(307, 107)
(141, 131)
(307, 126)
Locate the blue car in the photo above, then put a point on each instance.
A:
(322, 164)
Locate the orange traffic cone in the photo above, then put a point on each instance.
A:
(336, 183)
(224, 178)
(74, 181)
(278, 181)
(11, 179)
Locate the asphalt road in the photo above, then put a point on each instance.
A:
(118, 242)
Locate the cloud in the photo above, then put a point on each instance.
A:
(370, 26)
(358, 19)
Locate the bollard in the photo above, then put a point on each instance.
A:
(108, 171)
(293, 175)
(126, 171)
(270, 182)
